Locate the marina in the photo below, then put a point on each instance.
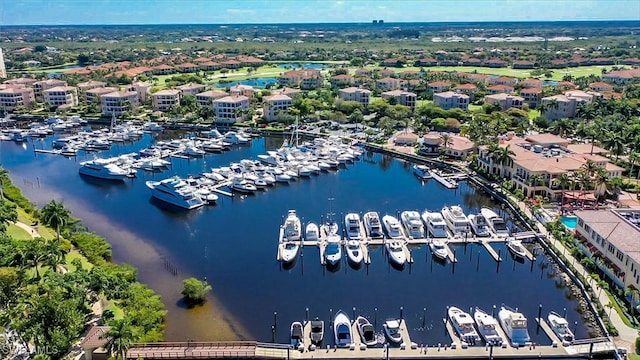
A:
(245, 253)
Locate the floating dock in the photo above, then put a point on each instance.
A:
(444, 181)
(494, 254)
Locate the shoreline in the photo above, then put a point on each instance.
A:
(210, 321)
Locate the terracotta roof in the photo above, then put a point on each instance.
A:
(439, 83)
(460, 143)
(546, 138)
(616, 230)
(466, 87)
(533, 90)
(94, 339)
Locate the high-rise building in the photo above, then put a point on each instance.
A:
(3, 70)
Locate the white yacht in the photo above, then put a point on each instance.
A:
(372, 225)
(392, 225)
(354, 252)
(289, 251)
(343, 335)
(367, 331)
(311, 232)
(464, 325)
(487, 325)
(235, 138)
(152, 126)
(516, 248)
(479, 225)
(175, 191)
(395, 252)
(412, 224)
(514, 325)
(292, 229)
(392, 331)
(438, 249)
(496, 223)
(333, 250)
(103, 170)
(421, 171)
(242, 185)
(352, 224)
(560, 326)
(436, 225)
(455, 218)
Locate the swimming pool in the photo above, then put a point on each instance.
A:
(569, 221)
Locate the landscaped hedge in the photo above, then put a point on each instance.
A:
(13, 193)
(94, 247)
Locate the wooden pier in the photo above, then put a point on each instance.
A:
(450, 254)
(216, 188)
(542, 323)
(494, 254)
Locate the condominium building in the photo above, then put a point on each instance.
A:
(505, 101)
(565, 105)
(546, 155)
(360, 95)
(164, 100)
(612, 237)
(61, 95)
(275, 104)
(500, 89)
(531, 96)
(93, 95)
(439, 86)
(242, 90)
(40, 86)
(21, 81)
(206, 98)
(341, 80)
(191, 88)
(451, 100)
(15, 96)
(230, 109)
(307, 79)
(403, 97)
(388, 83)
(116, 103)
(142, 88)
(83, 87)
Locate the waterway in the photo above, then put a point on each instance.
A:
(233, 245)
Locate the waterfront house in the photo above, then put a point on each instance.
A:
(403, 97)
(60, 96)
(451, 100)
(355, 94)
(40, 86)
(230, 109)
(275, 104)
(405, 139)
(142, 88)
(164, 100)
(12, 97)
(93, 96)
(206, 98)
(505, 101)
(432, 144)
(118, 102)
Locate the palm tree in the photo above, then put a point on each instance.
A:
(634, 158)
(590, 167)
(583, 179)
(503, 156)
(634, 295)
(53, 254)
(615, 142)
(562, 127)
(120, 338)
(446, 141)
(562, 181)
(602, 181)
(55, 215)
(535, 180)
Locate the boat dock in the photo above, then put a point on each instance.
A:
(547, 329)
(450, 253)
(494, 254)
(216, 188)
(444, 181)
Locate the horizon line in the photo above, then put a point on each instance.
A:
(385, 22)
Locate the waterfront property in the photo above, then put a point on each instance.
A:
(12, 97)
(118, 102)
(504, 101)
(451, 100)
(565, 105)
(275, 104)
(61, 96)
(356, 94)
(164, 100)
(230, 109)
(403, 97)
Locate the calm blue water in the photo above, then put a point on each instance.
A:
(233, 244)
(258, 82)
(569, 221)
(304, 66)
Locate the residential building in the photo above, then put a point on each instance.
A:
(565, 105)
(21, 81)
(467, 89)
(275, 104)
(187, 68)
(58, 96)
(621, 76)
(451, 100)
(386, 73)
(364, 72)
(405, 139)
(457, 147)
(92, 96)
(341, 80)
(505, 101)
(12, 97)
(142, 88)
(531, 96)
(206, 98)
(40, 86)
(546, 155)
(611, 237)
(191, 88)
(503, 80)
(307, 79)
(388, 83)
(600, 87)
(500, 89)
(230, 109)
(403, 97)
(3, 69)
(360, 95)
(164, 100)
(210, 66)
(439, 86)
(531, 83)
(523, 64)
(163, 69)
(117, 102)
(242, 90)
(88, 85)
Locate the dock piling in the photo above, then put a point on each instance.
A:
(564, 313)
(306, 316)
(375, 317)
(353, 314)
(275, 321)
(478, 262)
(401, 311)
(539, 317)
(424, 317)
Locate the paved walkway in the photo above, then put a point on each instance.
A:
(28, 228)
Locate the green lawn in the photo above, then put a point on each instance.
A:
(74, 254)
(17, 233)
(117, 311)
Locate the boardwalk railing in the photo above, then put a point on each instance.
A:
(193, 350)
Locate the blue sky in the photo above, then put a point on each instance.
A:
(35, 12)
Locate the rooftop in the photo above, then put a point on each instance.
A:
(619, 227)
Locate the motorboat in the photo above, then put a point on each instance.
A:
(235, 138)
(354, 252)
(421, 171)
(392, 331)
(496, 223)
(152, 126)
(333, 250)
(297, 335)
(352, 224)
(292, 227)
(289, 251)
(175, 191)
(455, 218)
(515, 325)
(464, 325)
(317, 331)
(479, 225)
(436, 225)
(243, 186)
(516, 248)
(193, 151)
(372, 225)
(367, 331)
(211, 133)
(438, 249)
(103, 170)
(412, 224)
(311, 232)
(560, 326)
(487, 326)
(392, 225)
(396, 252)
(342, 330)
